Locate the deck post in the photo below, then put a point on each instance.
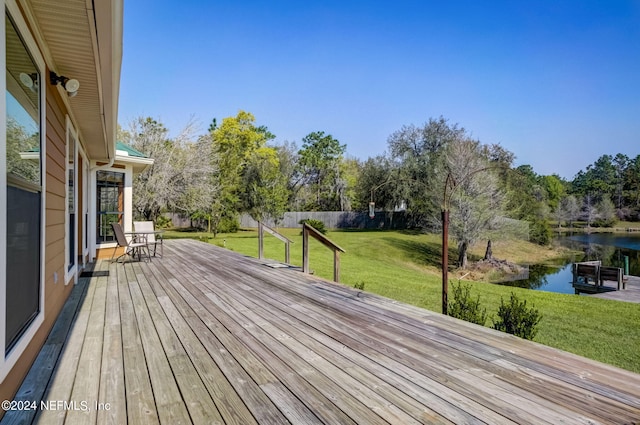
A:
(336, 265)
(260, 240)
(305, 250)
(286, 253)
(310, 231)
(264, 228)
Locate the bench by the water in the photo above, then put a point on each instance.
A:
(587, 271)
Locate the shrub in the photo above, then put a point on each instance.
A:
(228, 225)
(540, 232)
(163, 222)
(316, 224)
(465, 307)
(515, 318)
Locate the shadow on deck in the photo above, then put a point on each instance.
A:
(205, 335)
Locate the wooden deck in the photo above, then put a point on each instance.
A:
(208, 336)
(630, 294)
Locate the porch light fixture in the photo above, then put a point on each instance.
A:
(70, 85)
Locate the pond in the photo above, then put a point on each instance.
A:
(610, 248)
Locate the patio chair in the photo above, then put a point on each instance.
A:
(137, 244)
(153, 238)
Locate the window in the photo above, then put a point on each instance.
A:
(71, 197)
(110, 202)
(24, 187)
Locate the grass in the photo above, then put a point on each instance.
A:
(581, 226)
(405, 266)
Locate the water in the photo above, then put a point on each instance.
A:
(610, 248)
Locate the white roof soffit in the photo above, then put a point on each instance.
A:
(82, 39)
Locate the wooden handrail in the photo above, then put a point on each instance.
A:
(310, 231)
(264, 228)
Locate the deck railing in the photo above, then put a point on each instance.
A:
(264, 228)
(310, 231)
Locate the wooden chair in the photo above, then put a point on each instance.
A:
(153, 238)
(137, 244)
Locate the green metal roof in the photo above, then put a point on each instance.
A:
(120, 146)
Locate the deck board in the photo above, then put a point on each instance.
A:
(205, 335)
(112, 386)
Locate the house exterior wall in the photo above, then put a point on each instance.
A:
(55, 291)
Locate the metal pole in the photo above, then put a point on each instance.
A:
(445, 259)
(626, 265)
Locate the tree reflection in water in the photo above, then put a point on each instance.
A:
(557, 277)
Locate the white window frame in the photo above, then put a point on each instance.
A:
(9, 360)
(86, 205)
(70, 274)
(127, 204)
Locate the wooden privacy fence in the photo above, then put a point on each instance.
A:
(310, 231)
(264, 228)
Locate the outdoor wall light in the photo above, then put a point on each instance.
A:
(70, 85)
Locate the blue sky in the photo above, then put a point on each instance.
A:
(555, 82)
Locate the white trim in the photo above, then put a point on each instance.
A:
(86, 193)
(4, 367)
(71, 138)
(127, 216)
(93, 236)
(7, 362)
(128, 199)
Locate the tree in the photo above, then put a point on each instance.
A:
(476, 201)
(201, 189)
(568, 210)
(350, 169)
(598, 179)
(161, 185)
(288, 162)
(631, 186)
(18, 141)
(248, 171)
(417, 151)
(319, 167)
(605, 212)
(620, 163)
(264, 193)
(527, 200)
(377, 175)
(554, 188)
(589, 211)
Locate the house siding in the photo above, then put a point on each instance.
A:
(55, 293)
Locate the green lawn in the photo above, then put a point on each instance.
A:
(405, 266)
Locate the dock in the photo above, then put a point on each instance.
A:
(631, 294)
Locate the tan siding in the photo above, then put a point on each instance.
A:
(54, 170)
(56, 119)
(55, 186)
(55, 233)
(55, 201)
(54, 260)
(54, 217)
